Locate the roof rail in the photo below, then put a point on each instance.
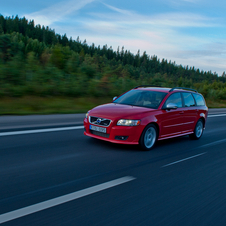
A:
(145, 86)
(183, 88)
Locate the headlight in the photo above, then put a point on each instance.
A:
(128, 122)
(87, 114)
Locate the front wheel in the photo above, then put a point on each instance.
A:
(198, 131)
(148, 137)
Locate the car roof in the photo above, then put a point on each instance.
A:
(164, 89)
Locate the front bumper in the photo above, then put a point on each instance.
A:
(130, 133)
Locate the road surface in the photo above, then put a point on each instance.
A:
(61, 177)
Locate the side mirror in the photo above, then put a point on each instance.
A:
(171, 106)
(114, 98)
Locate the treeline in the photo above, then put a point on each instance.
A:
(34, 60)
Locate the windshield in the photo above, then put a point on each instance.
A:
(141, 98)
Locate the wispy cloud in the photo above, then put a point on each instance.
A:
(183, 20)
(166, 19)
(122, 11)
(164, 28)
(57, 11)
(177, 3)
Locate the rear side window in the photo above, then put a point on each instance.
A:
(199, 100)
(175, 98)
(188, 100)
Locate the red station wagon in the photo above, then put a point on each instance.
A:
(146, 114)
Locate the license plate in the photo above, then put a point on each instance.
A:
(97, 128)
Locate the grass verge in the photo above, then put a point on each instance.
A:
(62, 105)
(216, 103)
(51, 105)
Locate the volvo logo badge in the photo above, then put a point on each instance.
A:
(99, 120)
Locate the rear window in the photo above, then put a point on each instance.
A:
(199, 100)
(188, 100)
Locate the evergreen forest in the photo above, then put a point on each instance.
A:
(35, 61)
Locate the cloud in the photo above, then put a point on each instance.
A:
(57, 12)
(159, 29)
(183, 20)
(179, 3)
(122, 11)
(166, 19)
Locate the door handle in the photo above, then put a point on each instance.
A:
(181, 112)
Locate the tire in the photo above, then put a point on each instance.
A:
(198, 131)
(148, 137)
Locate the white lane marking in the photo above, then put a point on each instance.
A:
(61, 129)
(62, 199)
(213, 143)
(184, 159)
(220, 115)
(40, 131)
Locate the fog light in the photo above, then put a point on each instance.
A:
(121, 137)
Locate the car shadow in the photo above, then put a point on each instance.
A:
(162, 145)
(113, 146)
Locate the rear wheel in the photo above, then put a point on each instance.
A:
(148, 137)
(198, 131)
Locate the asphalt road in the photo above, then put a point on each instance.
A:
(64, 178)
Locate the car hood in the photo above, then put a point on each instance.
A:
(116, 111)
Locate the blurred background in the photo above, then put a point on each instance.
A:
(44, 72)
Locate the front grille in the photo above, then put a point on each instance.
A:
(99, 121)
(99, 134)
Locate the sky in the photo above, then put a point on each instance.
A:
(187, 32)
